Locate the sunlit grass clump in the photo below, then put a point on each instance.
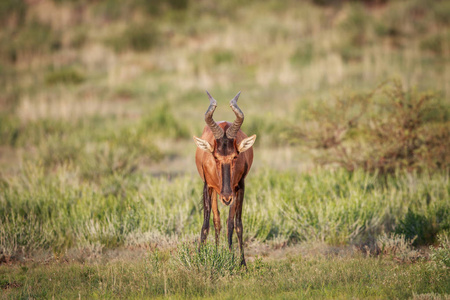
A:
(214, 260)
(56, 212)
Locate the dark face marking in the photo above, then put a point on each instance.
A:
(226, 155)
(225, 146)
(226, 180)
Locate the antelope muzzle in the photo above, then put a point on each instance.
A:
(226, 193)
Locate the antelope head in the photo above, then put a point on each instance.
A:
(225, 150)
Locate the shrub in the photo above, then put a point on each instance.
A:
(355, 33)
(64, 76)
(223, 57)
(57, 150)
(137, 37)
(441, 11)
(157, 7)
(35, 38)
(161, 121)
(12, 9)
(440, 256)
(381, 132)
(120, 156)
(303, 55)
(435, 43)
(417, 227)
(399, 247)
(78, 39)
(112, 9)
(9, 129)
(216, 261)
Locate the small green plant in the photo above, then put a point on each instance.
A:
(161, 121)
(355, 33)
(441, 10)
(57, 150)
(216, 261)
(137, 37)
(78, 39)
(440, 256)
(9, 129)
(34, 38)
(160, 8)
(436, 43)
(417, 227)
(303, 55)
(398, 247)
(64, 76)
(12, 10)
(223, 57)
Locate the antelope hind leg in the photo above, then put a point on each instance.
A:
(206, 213)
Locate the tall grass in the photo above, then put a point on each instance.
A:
(57, 212)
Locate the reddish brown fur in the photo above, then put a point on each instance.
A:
(207, 167)
(212, 166)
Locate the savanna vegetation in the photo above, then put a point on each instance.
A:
(349, 195)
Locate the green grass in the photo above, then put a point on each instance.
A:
(167, 275)
(57, 212)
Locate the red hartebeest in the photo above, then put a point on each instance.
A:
(224, 156)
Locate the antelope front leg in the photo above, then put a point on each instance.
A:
(230, 224)
(216, 217)
(239, 229)
(206, 213)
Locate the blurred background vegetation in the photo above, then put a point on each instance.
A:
(99, 101)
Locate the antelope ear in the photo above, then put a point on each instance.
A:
(246, 144)
(204, 145)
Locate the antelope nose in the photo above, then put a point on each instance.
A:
(227, 198)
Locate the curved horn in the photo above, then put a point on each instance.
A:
(232, 131)
(216, 130)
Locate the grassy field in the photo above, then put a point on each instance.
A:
(170, 275)
(349, 192)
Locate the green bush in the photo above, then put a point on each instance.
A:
(34, 38)
(120, 156)
(57, 150)
(440, 255)
(78, 39)
(161, 121)
(216, 261)
(12, 8)
(110, 10)
(441, 10)
(271, 131)
(156, 8)
(417, 227)
(355, 33)
(137, 37)
(303, 55)
(36, 132)
(223, 57)
(397, 247)
(64, 76)
(9, 129)
(435, 43)
(380, 132)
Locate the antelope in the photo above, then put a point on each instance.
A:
(224, 156)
